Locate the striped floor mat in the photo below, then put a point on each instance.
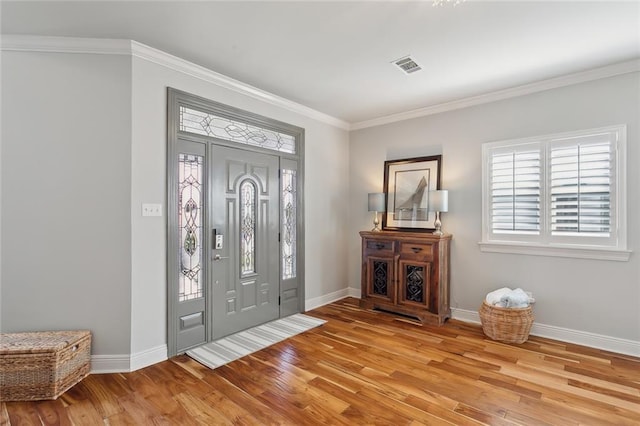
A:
(230, 348)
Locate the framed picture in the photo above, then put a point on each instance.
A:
(406, 185)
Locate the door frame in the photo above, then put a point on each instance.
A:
(176, 99)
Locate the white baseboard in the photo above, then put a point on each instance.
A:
(465, 315)
(354, 292)
(148, 357)
(599, 341)
(316, 302)
(101, 364)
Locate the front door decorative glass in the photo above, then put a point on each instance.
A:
(190, 168)
(248, 227)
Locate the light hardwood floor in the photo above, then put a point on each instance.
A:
(364, 367)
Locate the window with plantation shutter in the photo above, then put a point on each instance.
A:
(558, 195)
(580, 187)
(515, 190)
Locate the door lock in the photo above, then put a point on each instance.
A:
(217, 240)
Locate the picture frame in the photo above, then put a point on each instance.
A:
(406, 187)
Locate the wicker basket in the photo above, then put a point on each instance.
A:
(511, 325)
(42, 365)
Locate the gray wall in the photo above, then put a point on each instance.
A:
(593, 296)
(66, 172)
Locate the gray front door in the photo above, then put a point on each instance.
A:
(235, 228)
(245, 254)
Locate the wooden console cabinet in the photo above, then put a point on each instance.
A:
(406, 273)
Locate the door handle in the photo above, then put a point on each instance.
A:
(218, 257)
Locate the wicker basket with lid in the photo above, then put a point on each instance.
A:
(42, 365)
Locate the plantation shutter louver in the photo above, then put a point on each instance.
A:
(580, 186)
(515, 190)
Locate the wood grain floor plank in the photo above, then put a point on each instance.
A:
(230, 409)
(572, 406)
(264, 414)
(441, 413)
(323, 416)
(608, 375)
(558, 382)
(23, 413)
(632, 392)
(201, 410)
(84, 412)
(53, 413)
(140, 409)
(4, 415)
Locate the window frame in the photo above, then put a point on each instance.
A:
(546, 244)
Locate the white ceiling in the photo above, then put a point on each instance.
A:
(335, 57)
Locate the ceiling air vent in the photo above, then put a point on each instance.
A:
(407, 64)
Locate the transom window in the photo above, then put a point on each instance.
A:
(556, 192)
(202, 123)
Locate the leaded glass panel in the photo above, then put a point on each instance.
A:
(202, 123)
(289, 214)
(247, 227)
(415, 283)
(190, 179)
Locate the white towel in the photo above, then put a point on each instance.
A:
(494, 298)
(515, 299)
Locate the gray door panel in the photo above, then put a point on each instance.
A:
(245, 221)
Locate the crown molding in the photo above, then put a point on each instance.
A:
(34, 43)
(31, 43)
(539, 86)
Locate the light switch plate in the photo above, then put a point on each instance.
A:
(151, 209)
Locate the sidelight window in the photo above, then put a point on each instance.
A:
(190, 174)
(289, 215)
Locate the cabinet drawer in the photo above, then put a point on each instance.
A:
(421, 250)
(379, 246)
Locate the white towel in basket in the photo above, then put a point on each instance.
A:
(507, 298)
(494, 298)
(515, 299)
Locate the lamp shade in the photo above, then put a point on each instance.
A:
(439, 200)
(376, 202)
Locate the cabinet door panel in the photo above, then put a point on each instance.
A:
(413, 283)
(380, 278)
